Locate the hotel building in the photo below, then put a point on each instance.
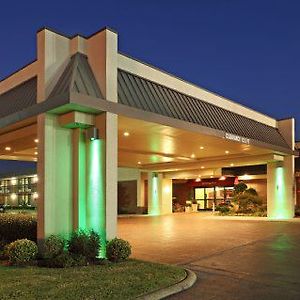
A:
(100, 123)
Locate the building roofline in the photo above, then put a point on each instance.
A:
(194, 84)
(71, 36)
(18, 70)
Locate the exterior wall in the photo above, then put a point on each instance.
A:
(260, 185)
(127, 197)
(181, 193)
(53, 54)
(132, 174)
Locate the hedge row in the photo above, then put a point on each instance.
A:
(17, 226)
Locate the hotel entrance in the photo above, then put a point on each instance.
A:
(209, 197)
(211, 192)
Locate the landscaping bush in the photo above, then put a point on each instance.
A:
(64, 260)
(251, 191)
(53, 246)
(22, 251)
(3, 250)
(240, 188)
(247, 203)
(118, 250)
(223, 209)
(85, 243)
(18, 226)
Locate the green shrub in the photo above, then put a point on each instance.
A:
(240, 188)
(85, 243)
(118, 250)
(251, 191)
(22, 251)
(64, 260)
(223, 209)
(53, 246)
(18, 226)
(3, 250)
(248, 204)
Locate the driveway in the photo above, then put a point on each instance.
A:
(233, 259)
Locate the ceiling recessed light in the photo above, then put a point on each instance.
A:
(211, 176)
(193, 155)
(36, 140)
(7, 148)
(139, 162)
(35, 153)
(232, 164)
(202, 167)
(126, 133)
(226, 152)
(201, 147)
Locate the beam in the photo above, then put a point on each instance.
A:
(215, 163)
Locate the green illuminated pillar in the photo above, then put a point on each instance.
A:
(79, 179)
(280, 189)
(153, 194)
(159, 194)
(96, 188)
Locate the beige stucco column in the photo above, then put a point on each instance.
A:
(55, 177)
(281, 178)
(280, 189)
(159, 194)
(77, 178)
(107, 124)
(54, 146)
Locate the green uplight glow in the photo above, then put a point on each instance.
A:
(96, 191)
(154, 197)
(281, 211)
(82, 182)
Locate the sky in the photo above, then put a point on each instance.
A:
(247, 51)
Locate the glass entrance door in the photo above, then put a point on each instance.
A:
(205, 197)
(200, 197)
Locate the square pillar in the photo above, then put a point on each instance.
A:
(159, 194)
(55, 177)
(280, 189)
(107, 123)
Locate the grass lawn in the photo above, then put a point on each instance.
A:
(125, 280)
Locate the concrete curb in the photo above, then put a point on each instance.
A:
(183, 285)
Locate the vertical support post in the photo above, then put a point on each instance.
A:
(96, 217)
(55, 177)
(281, 177)
(280, 184)
(79, 179)
(108, 132)
(159, 194)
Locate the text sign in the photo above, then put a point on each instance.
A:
(237, 138)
